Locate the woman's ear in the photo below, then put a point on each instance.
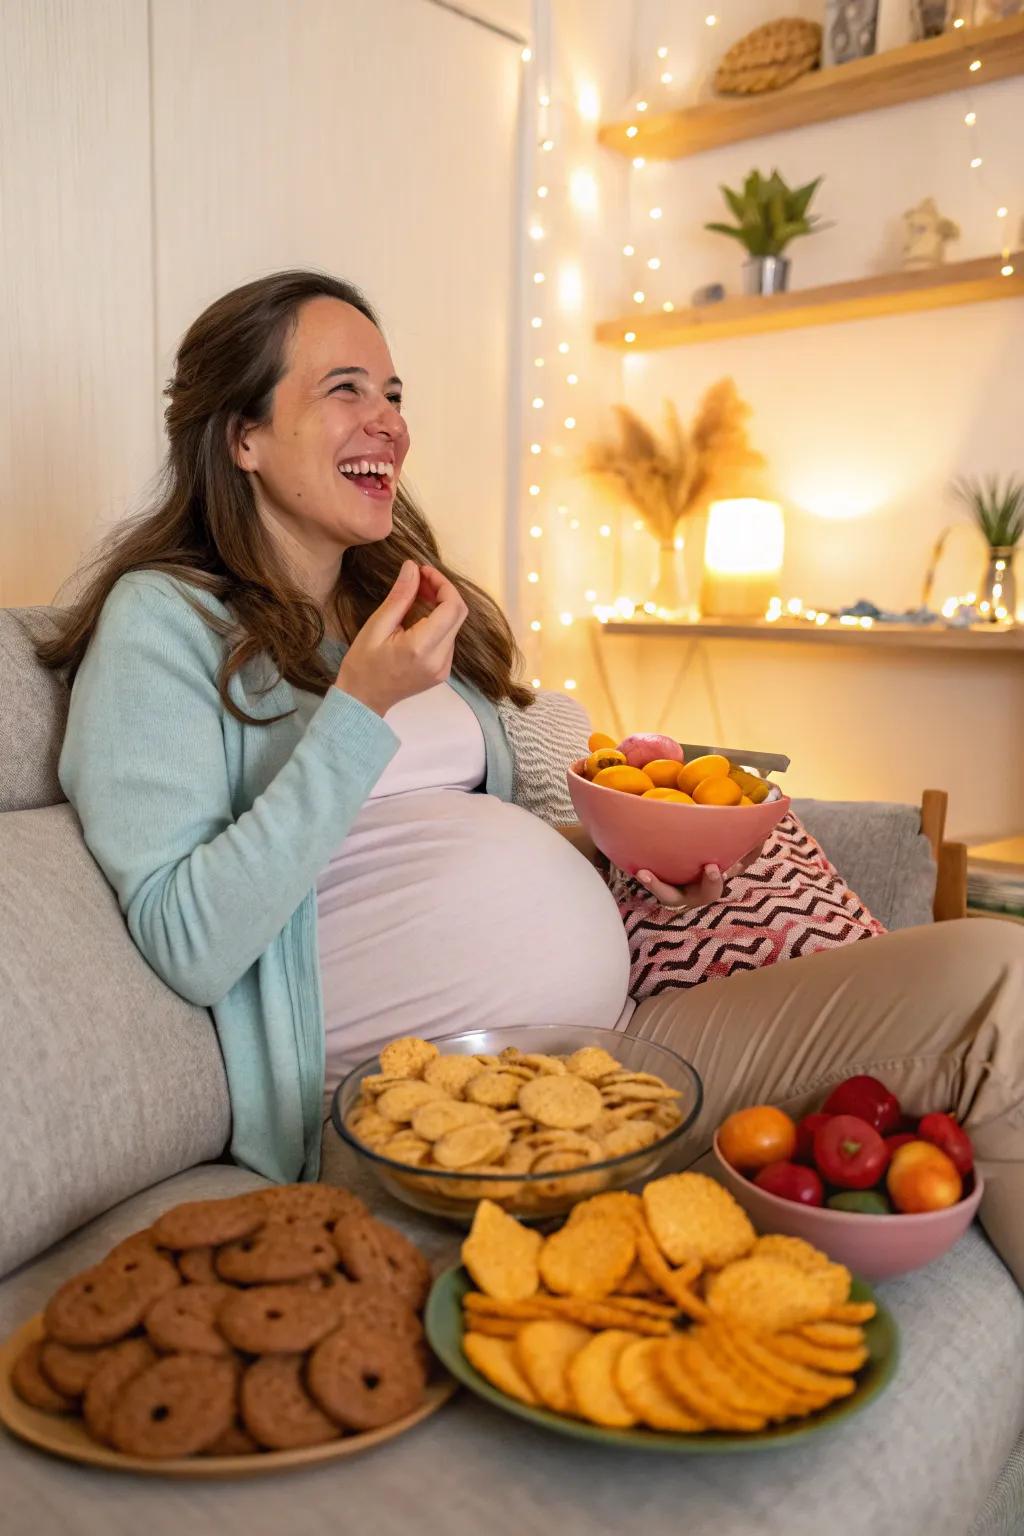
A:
(242, 443)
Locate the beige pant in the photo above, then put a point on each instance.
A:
(937, 1013)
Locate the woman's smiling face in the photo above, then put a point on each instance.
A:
(326, 464)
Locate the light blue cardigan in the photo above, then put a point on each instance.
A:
(212, 833)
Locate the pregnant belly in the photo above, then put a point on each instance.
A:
(447, 911)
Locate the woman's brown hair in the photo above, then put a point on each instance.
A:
(204, 528)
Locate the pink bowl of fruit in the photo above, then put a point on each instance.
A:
(849, 1179)
(647, 807)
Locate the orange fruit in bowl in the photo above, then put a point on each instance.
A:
(602, 757)
(752, 1138)
(664, 793)
(711, 766)
(745, 800)
(717, 792)
(663, 773)
(631, 781)
(599, 739)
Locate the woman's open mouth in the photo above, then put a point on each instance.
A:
(373, 477)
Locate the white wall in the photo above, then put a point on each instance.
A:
(374, 138)
(76, 298)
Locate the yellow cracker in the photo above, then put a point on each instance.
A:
(818, 1385)
(590, 1314)
(591, 1062)
(371, 1127)
(776, 1245)
(591, 1374)
(436, 1118)
(676, 1366)
(634, 1136)
(406, 1148)
(588, 1259)
(840, 1362)
(407, 1057)
(501, 1254)
(717, 1376)
(645, 1394)
(693, 1217)
(544, 1351)
(617, 1203)
(497, 1360)
(566, 1103)
(451, 1073)
(500, 1090)
(493, 1327)
(401, 1103)
(377, 1083)
(832, 1335)
(675, 1284)
(470, 1146)
(851, 1312)
(766, 1394)
(768, 1294)
(537, 1061)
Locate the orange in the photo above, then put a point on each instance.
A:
(711, 766)
(745, 800)
(599, 739)
(717, 792)
(753, 1138)
(603, 757)
(664, 772)
(664, 793)
(632, 781)
(922, 1177)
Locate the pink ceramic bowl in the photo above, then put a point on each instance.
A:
(672, 840)
(874, 1247)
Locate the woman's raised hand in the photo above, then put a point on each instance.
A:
(385, 662)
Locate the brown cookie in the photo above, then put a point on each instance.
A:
(31, 1385)
(205, 1223)
(124, 1361)
(150, 1272)
(183, 1322)
(71, 1369)
(235, 1441)
(196, 1265)
(363, 1379)
(365, 1306)
(276, 1254)
(408, 1269)
(277, 1319)
(95, 1307)
(142, 1241)
(176, 1407)
(361, 1251)
(276, 1408)
(290, 1203)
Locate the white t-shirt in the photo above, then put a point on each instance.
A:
(445, 909)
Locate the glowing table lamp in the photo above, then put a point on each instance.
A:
(742, 558)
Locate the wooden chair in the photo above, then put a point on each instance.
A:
(950, 858)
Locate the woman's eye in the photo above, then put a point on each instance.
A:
(346, 385)
(396, 401)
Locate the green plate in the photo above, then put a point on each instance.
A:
(443, 1319)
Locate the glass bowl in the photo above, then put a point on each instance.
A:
(530, 1196)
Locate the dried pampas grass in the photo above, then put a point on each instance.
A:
(677, 476)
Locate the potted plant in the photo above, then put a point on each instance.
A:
(998, 510)
(770, 214)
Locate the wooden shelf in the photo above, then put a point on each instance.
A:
(931, 68)
(981, 640)
(893, 293)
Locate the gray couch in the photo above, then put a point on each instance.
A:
(113, 1107)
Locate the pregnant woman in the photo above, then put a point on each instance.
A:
(286, 748)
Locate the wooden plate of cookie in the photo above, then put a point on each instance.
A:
(68, 1437)
(231, 1338)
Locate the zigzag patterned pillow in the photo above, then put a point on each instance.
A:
(791, 902)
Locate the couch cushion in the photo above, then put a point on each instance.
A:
(34, 715)
(880, 852)
(110, 1080)
(924, 1457)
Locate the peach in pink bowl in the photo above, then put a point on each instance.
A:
(674, 841)
(874, 1247)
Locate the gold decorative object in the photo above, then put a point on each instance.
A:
(667, 480)
(770, 57)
